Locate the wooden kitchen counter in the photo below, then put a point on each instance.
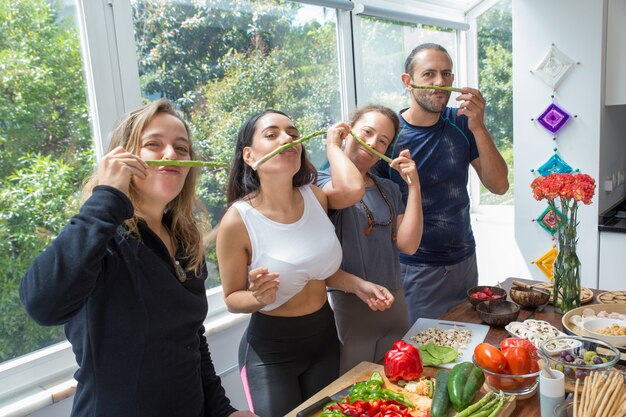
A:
(465, 312)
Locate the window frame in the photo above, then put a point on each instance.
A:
(112, 77)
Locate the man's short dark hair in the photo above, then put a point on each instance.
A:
(408, 64)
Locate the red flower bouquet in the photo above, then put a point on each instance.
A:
(569, 190)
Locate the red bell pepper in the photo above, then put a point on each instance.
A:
(403, 361)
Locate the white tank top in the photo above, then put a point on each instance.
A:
(301, 251)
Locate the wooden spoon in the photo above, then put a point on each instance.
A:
(529, 287)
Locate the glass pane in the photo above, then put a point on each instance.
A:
(384, 47)
(222, 61)
(496, 84)
(46, 150)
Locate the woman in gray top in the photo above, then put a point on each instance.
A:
(372, 229)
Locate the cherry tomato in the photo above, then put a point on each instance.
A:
(516, 341)
(489, 357)
(518, 360)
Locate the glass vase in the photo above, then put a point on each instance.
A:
(566, 279)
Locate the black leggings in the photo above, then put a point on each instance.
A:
(285, 360)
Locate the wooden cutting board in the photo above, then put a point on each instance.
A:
(363, 372)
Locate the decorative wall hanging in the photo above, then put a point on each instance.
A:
(553, 118)
(553, 67)
(554, 165)
(548, 222)
(546, 262)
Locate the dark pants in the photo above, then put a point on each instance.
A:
(430, 291)
(285, 360)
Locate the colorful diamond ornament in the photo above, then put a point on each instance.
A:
(545, 263)
(548, 222)
(553, 118)
(554, 165)
(553, 67)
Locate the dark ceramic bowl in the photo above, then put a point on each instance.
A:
(497, 291)
(498, 312)
(529, 298)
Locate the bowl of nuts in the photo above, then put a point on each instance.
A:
(609, 330)
(577, 362)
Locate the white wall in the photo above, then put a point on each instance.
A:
(576, 28)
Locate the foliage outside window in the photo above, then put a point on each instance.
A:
(385, 45)
(46, 151)
(495, 69)
(223, 61)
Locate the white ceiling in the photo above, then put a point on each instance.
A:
(454, 6)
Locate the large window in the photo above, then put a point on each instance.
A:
(385, 45)
(222, 61)
(495, 77)
(46, 150)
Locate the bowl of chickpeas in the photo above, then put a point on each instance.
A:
(609, 330)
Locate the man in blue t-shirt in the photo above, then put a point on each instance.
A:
(443, 142)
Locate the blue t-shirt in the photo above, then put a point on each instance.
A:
(442, 154)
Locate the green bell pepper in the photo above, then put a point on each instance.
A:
(464, 382)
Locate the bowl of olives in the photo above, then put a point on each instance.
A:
(583, 355)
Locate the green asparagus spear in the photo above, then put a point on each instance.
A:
(369, 148)
(282, 148)
(436, 87)
(476, 406)
(183, 163)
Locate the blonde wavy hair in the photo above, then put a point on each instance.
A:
(187, 214)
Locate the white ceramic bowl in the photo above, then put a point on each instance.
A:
(593, 326)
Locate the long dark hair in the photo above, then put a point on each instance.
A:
(243, 180)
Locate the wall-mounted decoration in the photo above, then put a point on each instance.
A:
(553, 118)
(554, 165)
(546, 262)
(548, 222)
(553, 67)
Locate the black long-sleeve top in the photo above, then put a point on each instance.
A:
(136, 330)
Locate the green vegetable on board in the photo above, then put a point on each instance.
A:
(464, 382)
(488, 406)
(373, 390)
(441, 399)
(436, 87)
(433, 355)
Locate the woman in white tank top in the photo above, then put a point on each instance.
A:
(277, 252)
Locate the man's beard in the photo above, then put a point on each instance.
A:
(424, 100)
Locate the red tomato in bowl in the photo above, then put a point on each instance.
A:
(489, 357)
(503, 383)
(516, 341)
(527, 382)
(518, 360)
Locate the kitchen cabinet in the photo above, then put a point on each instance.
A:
(615, 53)
(612, 271)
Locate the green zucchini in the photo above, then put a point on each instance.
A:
(441, 400)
